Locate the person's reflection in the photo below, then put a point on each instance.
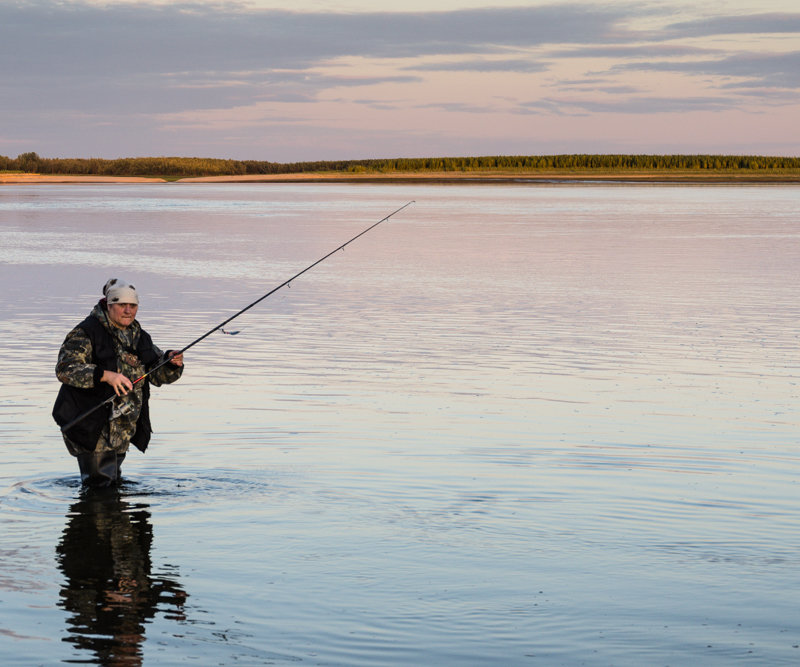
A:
(108, 590)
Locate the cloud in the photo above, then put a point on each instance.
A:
(138, 58)
(121, 39)
(628, 105)
(519, 65)
(232, 52)
(779, 70)
(98, 74)
(626, 51)
(458, 107)
(599, 86)
(749, 24)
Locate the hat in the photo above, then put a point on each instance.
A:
(118, 291)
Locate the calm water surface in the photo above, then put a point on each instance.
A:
(548, 425)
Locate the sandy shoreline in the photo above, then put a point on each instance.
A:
(58, 178)
(432, 177)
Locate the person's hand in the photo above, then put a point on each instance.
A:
(175, 358)
(119, 383)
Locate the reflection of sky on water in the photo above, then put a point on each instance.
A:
(586, 391)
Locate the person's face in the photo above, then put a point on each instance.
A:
(122, 314)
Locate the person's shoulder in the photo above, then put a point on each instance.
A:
(79, 330)
(77, 340)
(91, 322)
(84, 329)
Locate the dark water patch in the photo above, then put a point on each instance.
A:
(178, 490)
(185, 489)
(750, 554)
(111, 590)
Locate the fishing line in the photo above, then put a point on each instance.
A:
(170, 356)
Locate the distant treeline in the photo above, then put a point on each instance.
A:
(180, 167)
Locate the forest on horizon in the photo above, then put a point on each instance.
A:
(184, 167)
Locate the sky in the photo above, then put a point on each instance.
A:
(356, 79)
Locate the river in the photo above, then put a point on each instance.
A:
(550, 424)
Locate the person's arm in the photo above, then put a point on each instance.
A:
(75, 367)
(170, 371)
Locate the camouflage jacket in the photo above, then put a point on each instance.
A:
(75, 367)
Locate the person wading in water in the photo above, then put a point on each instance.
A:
(99, 358)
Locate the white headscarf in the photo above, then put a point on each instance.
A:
(118, 291)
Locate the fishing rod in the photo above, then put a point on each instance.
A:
(168, 357)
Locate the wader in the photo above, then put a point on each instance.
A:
(100, 469)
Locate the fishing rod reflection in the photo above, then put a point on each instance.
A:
(109, 590)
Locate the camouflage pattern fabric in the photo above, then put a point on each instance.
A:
(75, 367)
